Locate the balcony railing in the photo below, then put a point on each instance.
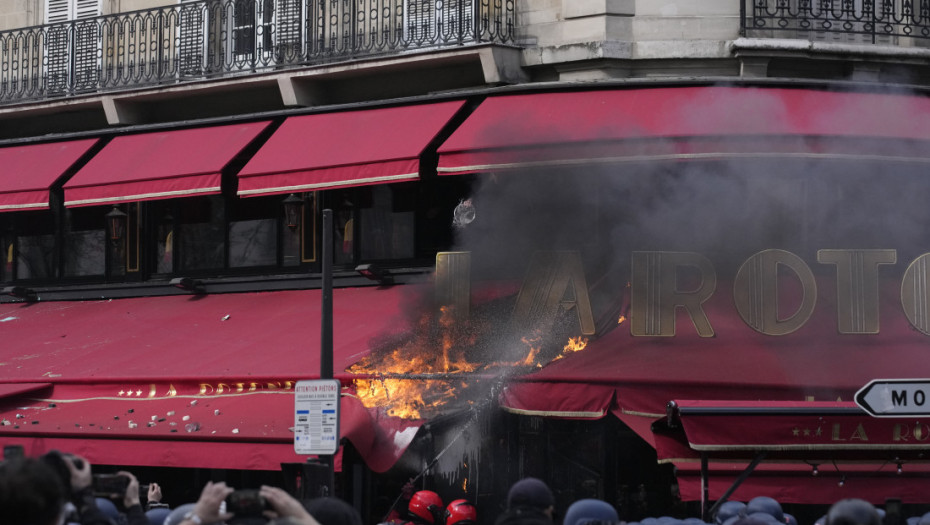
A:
(219, 38)
(891, 22)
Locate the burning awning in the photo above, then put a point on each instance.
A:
(160, 165)
(591, 127)
(29, 171)
(348, 148)
(209, 379)
(815, 368)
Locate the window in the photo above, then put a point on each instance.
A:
(85, 241)
(201, 233)
(34, 248)
(72, 48)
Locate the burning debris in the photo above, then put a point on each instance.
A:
(448, 365)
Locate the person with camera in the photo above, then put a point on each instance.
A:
(272, 503)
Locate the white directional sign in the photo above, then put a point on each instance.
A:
(895, 397)
(316, 417)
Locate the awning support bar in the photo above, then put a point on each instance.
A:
(708, 516)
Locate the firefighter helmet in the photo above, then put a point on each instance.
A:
(426, 505)
(461, 512)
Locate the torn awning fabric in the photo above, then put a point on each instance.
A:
(210, 380)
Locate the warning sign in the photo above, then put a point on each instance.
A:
(316, 417)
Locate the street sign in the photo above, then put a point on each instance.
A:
(895, 397)
(316, 417)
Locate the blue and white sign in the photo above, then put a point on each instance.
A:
(316, 417)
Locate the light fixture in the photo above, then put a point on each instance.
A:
(116, 222)
(20, 292)
(463, 214)
(816, 471)
(188, 284)
(842, 481)
(292, 208)
(375, 273)
(900, 469)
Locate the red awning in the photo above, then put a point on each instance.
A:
(553, 129)
(349, 148)
(810, 451)
(29, 171)
(190, 372)
(795, 482)
(808, 429)
(160, 165)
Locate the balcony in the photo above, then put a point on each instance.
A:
(215, 39)
(903, 23)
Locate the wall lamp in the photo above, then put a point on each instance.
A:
(293, 205)
(375, 273)
(116, 221)
(188, 284)
(20, 292)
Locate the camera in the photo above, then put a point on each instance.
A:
(110, 484)
(244, 503)
(13, 452)
(59, 463)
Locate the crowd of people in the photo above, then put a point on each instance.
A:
(59, 489)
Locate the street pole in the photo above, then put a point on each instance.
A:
(326, 331)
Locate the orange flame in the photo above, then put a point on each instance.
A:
(622, 318)
(417, 376)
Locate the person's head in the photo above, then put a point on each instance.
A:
(765, 505)
(461, 512)
(727, 510)
(157, 516)
(532, 493)
(176, 516)
(426, 506)
(853, 511)
(587, 510)
(333, 511)
(31, 493)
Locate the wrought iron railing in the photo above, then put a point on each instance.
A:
(217, 38)
(893, 22)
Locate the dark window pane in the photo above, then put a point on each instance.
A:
(85, 241)
(386, 230)
(252, 243)
(201, 232)
(36, 258)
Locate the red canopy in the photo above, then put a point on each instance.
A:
(111, 377)
(635, 378)
(556, 129)
(160, 165)
(348, 148)
(27, 172)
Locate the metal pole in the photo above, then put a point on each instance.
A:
(326, 331)
(326, 315)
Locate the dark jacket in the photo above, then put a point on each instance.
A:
(523, 516)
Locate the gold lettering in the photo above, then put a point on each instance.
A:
(900, 432)
(206, 389)
(273, 386)
(153, 390)
(859, 434)
(221, 387)
(836, 432)
(755, 291)
(554, 282)
(915, 293)
(655, 294)
(921, 432)
(288, 385)
(857, 294)
(171, 391)
(240, 387)
(254, 386)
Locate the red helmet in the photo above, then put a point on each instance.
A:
(461, 512)
(426, 505)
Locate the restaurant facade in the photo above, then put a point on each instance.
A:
(566, 242)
